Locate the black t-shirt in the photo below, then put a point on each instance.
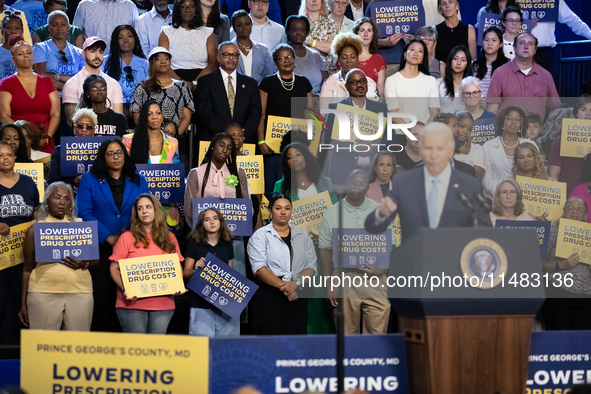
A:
(117, 188)
(404, 161)
(223, 251)
(111, 123)
(18, 203)
(279, 100)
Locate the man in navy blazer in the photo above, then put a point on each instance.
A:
(427, 196)
(212, 99)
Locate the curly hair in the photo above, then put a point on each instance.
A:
(44, 208)
(21, 154)
(159, 232)
(497, 207)
(15, 41)
(199, 234)
(113, 63)
(373, 45)
(278, 48)
(343, 40)
(230, 162)
(373, 174)
(540, 171)
(84, 112)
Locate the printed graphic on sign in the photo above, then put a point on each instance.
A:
(393, 17)
(236, 211)
(222, 286)
(544, 10)
(541, 196)
(396, 231)
(307, 213)
(576, 138)
(57, 240)
(254, 169)
(35, 171)
(247, 149)
(542, 229)
(152, 275)
(484, 130)
(366, 122)
(99, 362)
(78, 153)
(574, 237)
(278, 126)
(361, 248)
(264, 205)
(11, 246)
(165, 181)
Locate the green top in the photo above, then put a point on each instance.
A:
(294, 194)
(75, 31)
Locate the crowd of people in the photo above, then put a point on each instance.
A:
(161, 79)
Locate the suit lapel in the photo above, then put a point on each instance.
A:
(107, 193)
(450, 197)
(420, 191)
(220, 90)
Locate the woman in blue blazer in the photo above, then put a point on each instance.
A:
(106, 194)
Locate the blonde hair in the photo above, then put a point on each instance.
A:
(304, 8)
(84, 112)
(540, 171)
(343, 40)
(160, 233)
(518, 208)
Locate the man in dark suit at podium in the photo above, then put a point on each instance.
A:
(427, 196)
(225, 96)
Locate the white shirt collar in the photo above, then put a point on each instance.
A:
(254, 22)
(444, 175)
(225, 77)
(153, 13)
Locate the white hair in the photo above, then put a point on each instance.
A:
(44, 208)
(470, 81)
(56, 13)
(84, 112)
(352, 71)
(439, 129)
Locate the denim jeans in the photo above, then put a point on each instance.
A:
(213, 323)
(144, 322)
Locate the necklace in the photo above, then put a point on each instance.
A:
(283, 234)
(287, 85)
(246, 49)
(509, 147)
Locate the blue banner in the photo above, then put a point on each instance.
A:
(222, 286)
(392, 17)
(484, 130)
(56, 240)
(361, 248)
(488, 19)
(306, 363)
(542, 229)
(165, 181)
(544, 10)
(78, 153)
(237, 212)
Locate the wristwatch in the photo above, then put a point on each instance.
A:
(298, 281)
(57, 77)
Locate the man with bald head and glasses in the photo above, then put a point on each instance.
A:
(226, 96)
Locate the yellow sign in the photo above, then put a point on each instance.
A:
(576, 138)
(396, 231)
(367, 122)
(11, 246)
(101, 363)
(574, 237)
(247, 149)
(264, 208)
(541, 196)
(35, 171)
(253, 167)
(278, 126)
(152, 275)
(307, 213)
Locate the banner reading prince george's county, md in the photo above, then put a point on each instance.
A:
(393, 17)
(151, 276)
(361, 248)
(542, 229)
(236, 211)
(484, 130)
(254, 170)
(222, 286)
(540, 196)
(57, 240)
(278, 126)
(165, 181)
(367, 123)
(101, 363)
(11, 246)
(307, 213)
(544, 10)
(307, 364)
(574, 237)
(35, 171)
(78, 153)
(576, 138)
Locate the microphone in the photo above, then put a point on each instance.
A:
(465, 200)
(481, 199)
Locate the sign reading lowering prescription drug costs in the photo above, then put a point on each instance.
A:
(254, 170)
(35, 171)
(307, 213)
(484, 130)
(78, 153)
(361, 248)
(57, 240)
(542, 229)
(574, 237)
(222, 286)
(576, 138)
(404, 17)
(544, 10)
(278, 126)
(165, 181)
(11, 246)
(152, 275)
(540, 196)
(236, 211)
(367, 122)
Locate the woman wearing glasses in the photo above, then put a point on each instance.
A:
(471, 92)
(56, 58)
(499, 152)
(511, 19)
(11, 24)
(126, 62)
(106, 194)
(508, 202)
(428, 34)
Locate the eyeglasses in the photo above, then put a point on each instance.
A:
(506, 193)
(263, 2)
(83, 127)
(129, 76)
(227, 55)
(513, 118)
(475, 93)
(355, 82)
(513, 20)
(189, 7)
(288, 58)
(426, 40)
(570, 208)
(59, 197)
(113, 153)
(102, 89)
(63, 57)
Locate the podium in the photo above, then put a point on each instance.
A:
(474, 337)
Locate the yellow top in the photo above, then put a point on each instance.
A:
(58, 278)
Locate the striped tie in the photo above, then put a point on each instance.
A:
(231, 95)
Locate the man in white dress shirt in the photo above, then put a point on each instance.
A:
(100, 17)
(149, 25)
(264, 30)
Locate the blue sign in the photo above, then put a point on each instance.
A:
(237, 212)
(56, 240)
(361, 248)
(78, 153)
(544, 10)
(392, 17)
(484, 130)
(488, 19)
(542, 228)
(222, 286)
(306, 363)
(165, 181)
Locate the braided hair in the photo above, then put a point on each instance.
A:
(230, 162)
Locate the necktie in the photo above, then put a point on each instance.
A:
(231, 95)
(432, 204)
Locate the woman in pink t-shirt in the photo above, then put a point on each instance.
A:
(148, 236)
